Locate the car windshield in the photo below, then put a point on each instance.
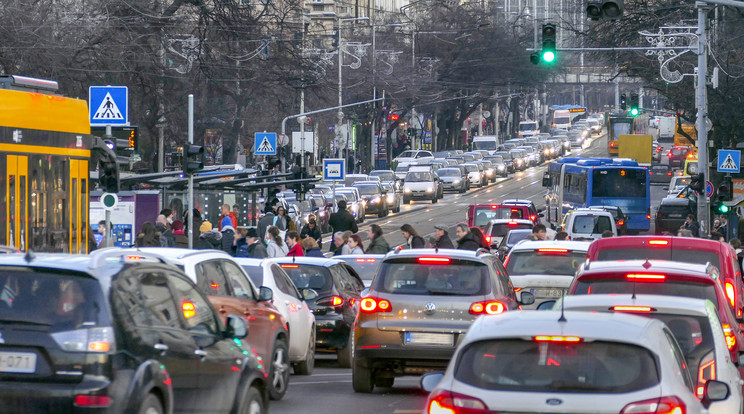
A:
(407, 154)
(485, 145)
(443, 276)
(365, 267)
(668, 288)
(505, 155)
(384, 175)
(500, 229)
(516, 236)
(449, 172)
(402, 168)
(484, 215)
(548, 261)
(367, 189)
(586, 224)
(61, 301)
(557, 367)
(470, 167)
(310, 277)
(496, 160)
(419, 176)
(530, 126)
(677, 255)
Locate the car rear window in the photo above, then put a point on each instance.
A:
(584, 367)
(671, 211)
(367, 189)
(384, 175)
(686, 256)
(548, 261)
(500, 230)
(667, 288)
(310, 277)
(255, 273)
(62, 301)
(584, 224)
(693, 334)
(484, 215)
(433, 276)
(365, 267)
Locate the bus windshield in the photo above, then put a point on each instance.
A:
(485, 145)
(620, 128)
(618, 182)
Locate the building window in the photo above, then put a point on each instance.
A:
(318, 7)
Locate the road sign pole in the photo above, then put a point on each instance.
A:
(191, 176)
(703, 212)
(107, 229)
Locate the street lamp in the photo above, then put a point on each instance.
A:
(340, 78)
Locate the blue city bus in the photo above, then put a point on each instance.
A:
(582, 182)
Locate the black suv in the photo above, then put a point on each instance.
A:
(117, 332)
(672, 214)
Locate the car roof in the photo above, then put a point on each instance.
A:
(649, 266)
(316, 261)
(250, 261)
(577, 246)
(675, 201)
(518, 202)
(74, 263)
(616, 327)
(451, 253)
(677, 305)
(180, 254)
(514, 220)
(670, 242)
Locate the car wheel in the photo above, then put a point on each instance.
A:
(386, 382)
(151, 405)
(346, 354)
(306, 367)
(362, 379)
(406, 201)
(279, 371)
(383, 212)
(251, 403)
(434, 200)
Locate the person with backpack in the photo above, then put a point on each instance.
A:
(413, 239)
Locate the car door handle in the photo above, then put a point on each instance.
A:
(200, 353)
(163, 348)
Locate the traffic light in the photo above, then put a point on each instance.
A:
(335, 35)
(108, 174)
(604, 9)
(725, 190)
(192, 159)
(548, 43)
(132, 139)
(409, 132)
(534, 58)
(697, 183)
(634, 106)
(623, 102)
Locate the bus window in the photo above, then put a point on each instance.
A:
(619, 183)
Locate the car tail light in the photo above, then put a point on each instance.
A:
(290, 266)
(372, 305)
(488, 239)
(645, 277)
(650, 173)
(648, 213)
(665, 405)
(487, 308)
(494, 206)
(669, 173)
(434, 260)
(620, 223)
(86, 340)
(612, 145)
(366, 260)
(632, 309)
(706, 372)
(730, 337)
(669, 154)
(188, 308)
(552, 338)
(658, 242)
(533, 217)
(551, 250)
(512, 223)
(447, 402)
(730, 293)
(93, 401)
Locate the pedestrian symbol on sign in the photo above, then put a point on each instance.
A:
(265, 146)
(728, 163)
(108, 109)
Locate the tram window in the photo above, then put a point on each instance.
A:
(22, 201)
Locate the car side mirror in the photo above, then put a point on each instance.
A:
(714, 391)
(526, 298)
(235, 327)
(431, 380)
(309, 294)
(265, 294)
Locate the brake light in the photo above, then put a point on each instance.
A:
(620, 223)
(549, 338)
(435, 260)
(372, 305)
(612, 144)
(494, 206)
(644, 277)
(291, 266)
(360, 260)
(447, 402)
(730, 337)
(706, 372)
(488, 239)
(730, 293)
(533, 217)
(632, 309)
(669, 173)
(550, 250)
(93, 401)
(512, 223)
(669, 154)
(658, 242)
(487, 308)
(665, 405)
(337, 301)
(188, 309)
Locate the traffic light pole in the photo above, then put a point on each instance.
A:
(703, 212)
(191, 176)
(107, 225)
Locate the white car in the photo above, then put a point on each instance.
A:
(413, 157)
(421, 185)
(354, 203)
(291, 304)
(703, 343)
(576, 362)
(588, 224)
(544, 268)
(528, 128)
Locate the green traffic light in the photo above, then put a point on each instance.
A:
(723, 209)
(634, 111)
(548, 56)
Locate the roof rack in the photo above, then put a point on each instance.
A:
(100, 257)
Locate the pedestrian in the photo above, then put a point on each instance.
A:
(714, 235)
(149, 236)
(716, 225)
(234, 214)
(724, 226)
(539, 232)
(561, 235)
(167, 239)
(276, 247)
(256, 247)
(413, 239)
(377, 243)
(225, 213)
(355, 244)
(311, 230)
(465, 238)
(311, 247)
(692, 225)
(178, 235)
(228, 234)
(240, 244)
(289, 224)
(269, 219)
(209, 238)
(92, 244)
(342, 220)
(197, 225)
(432, 242)
(169, 216)
(481, 238)
(443, 240)
(736, 244)
(338, 243)
(102, 231)
(293, 242)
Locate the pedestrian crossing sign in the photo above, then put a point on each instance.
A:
(265, 143)
(108, 105)
(729, 161)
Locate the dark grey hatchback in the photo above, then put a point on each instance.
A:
(117, 333)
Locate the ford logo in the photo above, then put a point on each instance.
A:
(554, 401)
(430, 308)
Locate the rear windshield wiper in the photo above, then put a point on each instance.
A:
(443, 292)
(24, 321)
(573, 385)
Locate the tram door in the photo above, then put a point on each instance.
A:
(17, 196)
(79, 206)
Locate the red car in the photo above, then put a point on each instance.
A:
(678, 249)
(661, 277)
(479, 215)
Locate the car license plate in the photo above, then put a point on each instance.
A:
(426, 338)
(18, 362)
(548, 293)
(675, 215)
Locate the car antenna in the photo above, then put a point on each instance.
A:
(563, 314)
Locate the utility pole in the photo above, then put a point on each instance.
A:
(191, 176)
(703, 212)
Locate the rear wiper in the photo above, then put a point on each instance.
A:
(442, 292)
(573, 385)
(25, 322)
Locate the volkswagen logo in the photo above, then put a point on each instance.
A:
(430, 308)
(553, 401)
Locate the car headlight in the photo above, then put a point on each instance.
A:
(390, 198)
(429, 189)
(322, 214)
(354, 208)
(456, 181)
(407, 190)
(376, 200)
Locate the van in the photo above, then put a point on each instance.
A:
(528, 128)
(588, 224)
(486, 142)
(562, 118)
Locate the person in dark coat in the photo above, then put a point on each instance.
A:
(377, 243)
(465, 238)
(342, 220)
(269, 219)
(228, 235)
(209, 238)
(413, 239)
(311, 247)
(167, 239)
(255, 247)
(480, 237)
(692, 225)
(443, 239)
(181, 239)
(312, 230)
(197, 225)
(149, 236)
